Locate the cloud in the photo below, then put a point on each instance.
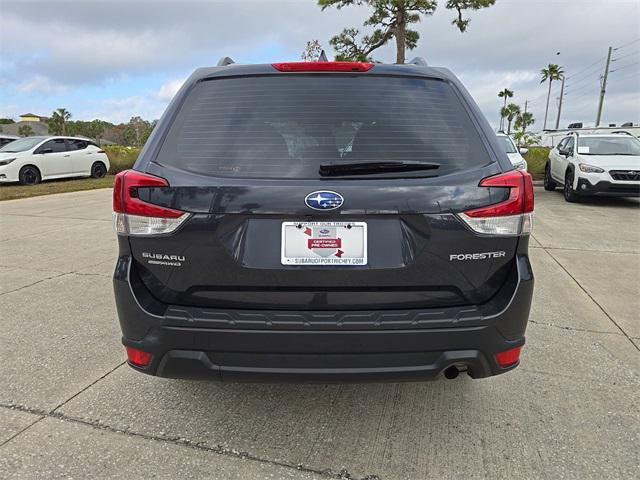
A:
(169, 89)
(40, 85)
(146, 47)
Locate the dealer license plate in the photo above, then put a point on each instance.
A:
(324, 243)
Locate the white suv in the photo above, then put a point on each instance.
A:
(32, 159)
(513, 152)
(595, 164)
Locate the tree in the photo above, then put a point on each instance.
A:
(390, 19)
(96, 129)
(551, 73)
(523, 120)
(58, 121)
(137, 131)
(6, 121)
(25, 130)
(510, 112)
(506, 93)
(312, 51)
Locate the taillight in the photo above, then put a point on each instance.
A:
(138, 358)
(323, 66)
(514, 216)
(509, 357)
(133, 216)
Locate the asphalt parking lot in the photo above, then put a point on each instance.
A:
(70, 407)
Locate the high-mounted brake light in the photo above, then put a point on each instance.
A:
(323, 66)
(138, 358)
(508, 358)
(512, 217)
(133, 216)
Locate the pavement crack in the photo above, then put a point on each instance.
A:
(593, 299)
(573, 329)
(87, 387)
(23, 429)
(343, 474)
(36, 282)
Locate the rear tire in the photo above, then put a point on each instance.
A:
(29, 175)
(98, 170)
(568, 191)
(549, 184)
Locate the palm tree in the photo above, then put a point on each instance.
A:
(60, 118)
(506, 93)
(510, 112)
(551, 73)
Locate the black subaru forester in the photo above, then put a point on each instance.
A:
(323, 221)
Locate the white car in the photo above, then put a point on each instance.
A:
(30, 160)
(4, 139)
(514, 154)
(595, 164)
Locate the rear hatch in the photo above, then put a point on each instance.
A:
(322, 191)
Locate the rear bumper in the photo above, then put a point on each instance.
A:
(606, 188)
(402, 345)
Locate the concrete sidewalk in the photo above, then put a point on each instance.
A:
(69, 406)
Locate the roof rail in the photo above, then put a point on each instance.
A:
(418, 61)
(224, 61)
(623, 132)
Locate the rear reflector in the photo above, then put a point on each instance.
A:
(512, 217)
(323, 66)
(133, 216)
(138, 358)
(508, 358)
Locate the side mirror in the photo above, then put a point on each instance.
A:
(46, 150)
(524, 151)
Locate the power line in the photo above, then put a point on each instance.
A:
(577, 74)
(582, 96)
(588, 85)
(587, 78)
(628, 75)
(625, 66)
(625, 56)
(627, 44)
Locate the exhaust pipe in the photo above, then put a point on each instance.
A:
(451, 372)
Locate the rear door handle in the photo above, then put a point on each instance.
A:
(67, 155)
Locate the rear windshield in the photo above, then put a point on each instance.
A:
(508, 145)
(285, 126)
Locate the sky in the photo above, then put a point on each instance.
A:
(117, 59)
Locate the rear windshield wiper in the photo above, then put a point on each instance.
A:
(370, 168)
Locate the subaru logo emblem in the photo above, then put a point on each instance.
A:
(324, 200)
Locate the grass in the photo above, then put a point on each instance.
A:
(536, 160)
(15, 191)
(120, 158)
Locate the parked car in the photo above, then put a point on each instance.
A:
(30, 160)
(595, 164)
(5, 139)
(513, 152)
(253, 244)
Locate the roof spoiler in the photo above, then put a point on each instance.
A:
(421, 62)
(224, 61)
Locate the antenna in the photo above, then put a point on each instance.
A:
(322, 57)
(224, 61)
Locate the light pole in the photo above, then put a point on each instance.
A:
(560, 104)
